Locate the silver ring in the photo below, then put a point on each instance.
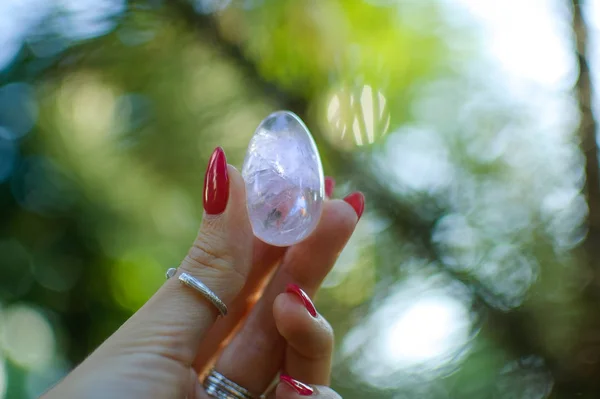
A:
(220, 387)
(199, 286)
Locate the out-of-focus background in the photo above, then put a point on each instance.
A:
(468, 124)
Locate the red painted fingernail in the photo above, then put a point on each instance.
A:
(329, 186)
(294, 289)
(357, 201)
(216, 183)
(300, 387)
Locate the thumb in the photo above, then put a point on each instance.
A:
(176, 318)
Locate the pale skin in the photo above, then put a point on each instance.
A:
(165, 348)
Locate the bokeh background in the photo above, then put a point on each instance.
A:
(468, 124)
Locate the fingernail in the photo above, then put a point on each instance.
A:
(300, 387)
(216, 183)
(356, 201)
(329, 186)
(294, 289)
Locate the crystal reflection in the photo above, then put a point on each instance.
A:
(27, 337)
(423, 329)
(356, 117)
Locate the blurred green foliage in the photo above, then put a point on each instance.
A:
(461, 280)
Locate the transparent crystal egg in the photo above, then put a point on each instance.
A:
(284, 180)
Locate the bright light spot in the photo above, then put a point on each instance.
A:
(89, 18)
(370, 119)
(356, 117)
(422, 329)
(508, 274)
(565, 211)
(457, 241)
(87, 106)
(17, 19)
(533, 43)
(418, 159)
(3, 379)
(426, 330)
(76, 19)
(27, 337)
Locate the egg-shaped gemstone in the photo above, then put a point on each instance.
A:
(284, 180)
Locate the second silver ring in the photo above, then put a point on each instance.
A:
(220, 387)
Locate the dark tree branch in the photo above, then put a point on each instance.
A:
(583, 366)
(208, 29)
(587, 132)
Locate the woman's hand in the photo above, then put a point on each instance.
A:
(161, 351)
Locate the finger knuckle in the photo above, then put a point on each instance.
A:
(208, 253)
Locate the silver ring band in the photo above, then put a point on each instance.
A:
(199, 286)
(220, 387)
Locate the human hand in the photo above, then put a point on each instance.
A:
(161, 351)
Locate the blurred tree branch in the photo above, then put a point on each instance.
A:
(208, 28)
(589, 147)
(587, 134)
(584, 365)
